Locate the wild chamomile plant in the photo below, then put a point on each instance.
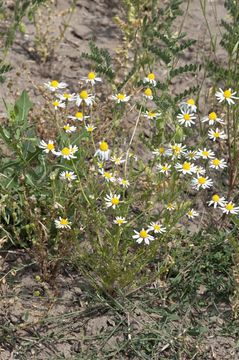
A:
(225, 76)
(98, 199)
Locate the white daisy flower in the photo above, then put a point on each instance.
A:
(120, 98)
(133, 156)
(159, 152)
(68, 152)
(200, 170)
(62, 223)
(108, 176)
(47, 147)
(170, 206)
(191, 105)
(164, 168)
(227, 95)
(90, 128)
(176, 150)
(55, 85)
(214, 135)
(91, 78)
(218, 164)
(216, 200)
(78, 116)
(188, 106)
(119, 220)
(123, 182)
(156, 227)
(100, 165)
(186, 118)
(148, 94)
(117, 160)
(205, 154)
(69, 128)
(212, 119)
(67, 97)
(201, 182)
(230, 208)
(84, 96)
(151, 115)
(186, 168)
(103, 151)
(68, 175)
(112, 200)
(150, 78)
(58, 104)
(191, 214)
(191, 155)
(143, 236)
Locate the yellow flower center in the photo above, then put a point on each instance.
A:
(106, 174)
(157, 227)
(79, 115)
(72, 150)
(215, 198)
(54, 83)
(120, 221)
(186, 166)
(115, 201)
(212, 116)
(229, 206)
(186, 117)
(50, 147)
(90, 128)
(124, 182)
(143, 234)
(84, 95)
(91, 76)
(64, 222)
(190, 213)
(227, 94)
(170, 206)
(205, 153)
(120, 96)
(56, 103)
(151, 76)
(68, 175)
(191, 155)
(67, 96)
(116, 160)
(161, 150)
(216, 134)
(165, 168)
(150, 113)
(201, 180)
(67, 127)
(191, 102)
(148, 92)
(177, 148)
(104, 146)
(216, 162)
(65, 151)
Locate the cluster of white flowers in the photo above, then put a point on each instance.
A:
(144, 235)
(189, 163)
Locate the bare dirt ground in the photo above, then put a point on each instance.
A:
(69, 326)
